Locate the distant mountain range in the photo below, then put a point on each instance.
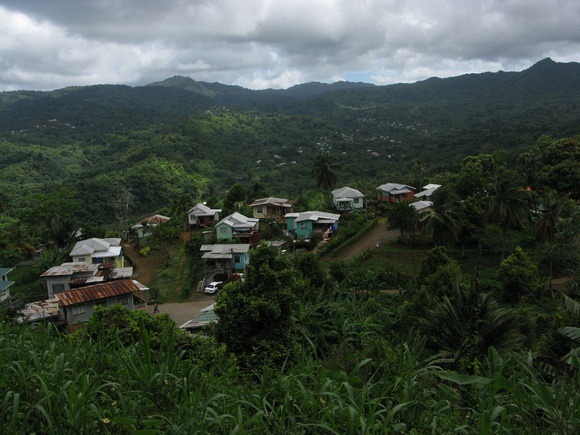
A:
(164, 138)
(546, 81)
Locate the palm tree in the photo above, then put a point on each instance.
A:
(442, 224)
(442, 221)
(324, 170)
(419, 168)
(464, 326)
(508, 206)
(551, 206)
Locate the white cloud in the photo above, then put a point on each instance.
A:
(276, 43)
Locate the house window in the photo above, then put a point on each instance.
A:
(223, 230)
(355, 200)
(57, 288)
(237, 258)
(303, 226)
(258, 209)
(77, 310)
(81, 260)
(123, 300)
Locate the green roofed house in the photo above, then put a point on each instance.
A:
(4, 283)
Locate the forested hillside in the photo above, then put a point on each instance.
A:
(467, 322)
(183, 138)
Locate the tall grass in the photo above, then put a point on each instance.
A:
(56, 383)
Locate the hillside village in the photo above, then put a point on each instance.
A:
(97, 276)
(174, 271)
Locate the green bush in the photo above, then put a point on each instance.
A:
(144, 252)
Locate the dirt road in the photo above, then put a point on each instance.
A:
(379, 234)
(181, 312)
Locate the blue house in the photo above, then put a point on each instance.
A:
(221, 261)
(303, 225)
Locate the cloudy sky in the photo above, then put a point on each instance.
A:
(257, 44)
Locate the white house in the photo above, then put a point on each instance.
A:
(427, 192)
(347, 198)
(422, 206)
(201, 215)
(98, 251)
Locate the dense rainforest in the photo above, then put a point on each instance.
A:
(468, 322)
(180, 137)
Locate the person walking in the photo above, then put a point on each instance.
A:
(155, 308)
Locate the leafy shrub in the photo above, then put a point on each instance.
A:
(144, 252)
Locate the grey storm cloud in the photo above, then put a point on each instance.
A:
(276, 43)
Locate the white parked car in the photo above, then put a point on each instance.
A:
(213, 287)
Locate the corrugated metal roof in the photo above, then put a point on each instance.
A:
(66, 269)
(38, 310)
(236, 248)
(281, 202)
(203, 210)
(4, 271)
(238, 220)
(317, 216)
(395, 188)
(347, 192)
(95, 292)
(88, 246)
(122, 272)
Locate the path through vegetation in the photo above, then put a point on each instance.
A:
(379, 234)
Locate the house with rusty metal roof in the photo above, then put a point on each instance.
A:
(271, 207)
(5, 283)
(47, 310)
(144, 228)
(97, 250)
(77, 305)
(72, 275)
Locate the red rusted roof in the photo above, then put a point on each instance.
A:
(95, 292)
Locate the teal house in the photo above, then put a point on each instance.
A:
(303, 225)
(237, 226)
(221, 261)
